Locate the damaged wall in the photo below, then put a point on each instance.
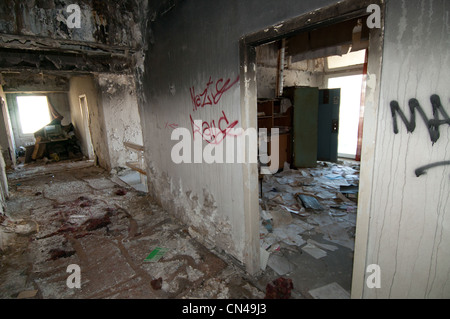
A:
(112, 23)
(409, 226)
(113, 117)
(122, 119)
(191, 52)
(38, 35)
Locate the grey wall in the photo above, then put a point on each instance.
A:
(191, 42)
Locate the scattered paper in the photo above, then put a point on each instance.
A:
(264, 258)
(331, 291)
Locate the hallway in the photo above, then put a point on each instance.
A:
(75, 213)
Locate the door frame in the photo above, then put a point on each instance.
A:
(339, 12)
(84, 109)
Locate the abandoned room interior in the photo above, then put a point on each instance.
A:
(117, 175)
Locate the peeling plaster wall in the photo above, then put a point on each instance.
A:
(190, 44)
(409, 233)
(122, 119)
(86, 85)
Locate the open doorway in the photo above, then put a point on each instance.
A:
(87, 140)
(308, 210)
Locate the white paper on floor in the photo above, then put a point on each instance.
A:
(314, 251)
(323, 246)
(264, 258)
(331, 291)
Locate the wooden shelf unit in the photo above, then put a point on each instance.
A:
(269, 117)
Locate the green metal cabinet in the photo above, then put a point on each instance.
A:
(305, 124)
(328, 129)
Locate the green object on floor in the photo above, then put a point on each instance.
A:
(156, 254)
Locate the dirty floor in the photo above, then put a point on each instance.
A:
(74, 213)
(308, 225)
(77, 214)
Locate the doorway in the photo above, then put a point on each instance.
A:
(303, 223)
(87, 140)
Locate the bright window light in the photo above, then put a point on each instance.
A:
(33, 113)
(352, 58)
(349, 111)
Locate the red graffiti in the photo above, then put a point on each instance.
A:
(172, 126)
(212, 133)
(212, 94)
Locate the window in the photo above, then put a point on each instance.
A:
(33, 113)
(350, 59)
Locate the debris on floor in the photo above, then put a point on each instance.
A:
(156, 254)
(309, 212)
(69, 213)
(331, 291)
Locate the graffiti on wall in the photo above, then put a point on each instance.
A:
(432, 124)
(213, 132)
(171, 125)
(212, 94)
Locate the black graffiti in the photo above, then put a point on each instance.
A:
(432, 124)
(423, 170)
